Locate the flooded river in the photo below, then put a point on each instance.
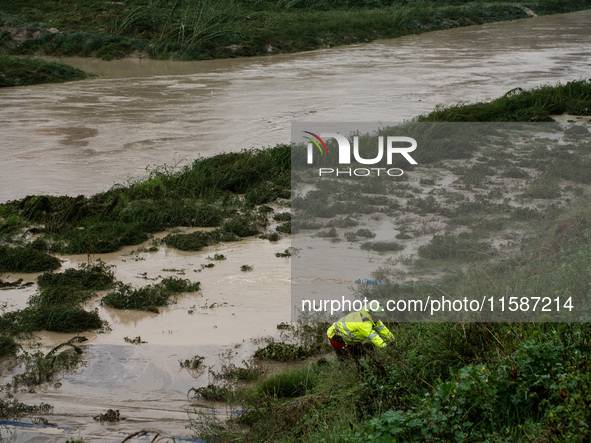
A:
(81, 138)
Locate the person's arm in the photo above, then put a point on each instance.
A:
(374, 336)
(383, 331)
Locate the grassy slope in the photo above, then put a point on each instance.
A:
(191, 29)
(460, 382)
(206, 29)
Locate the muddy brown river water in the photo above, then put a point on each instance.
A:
(81, 138)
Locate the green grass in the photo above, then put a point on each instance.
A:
(191, 29)
(148, 298)
(462, 381)
(463, 247)
(26, 259)
(534, 105)
(210, 192)
(29, 71)
(57, 305)
(87, 277)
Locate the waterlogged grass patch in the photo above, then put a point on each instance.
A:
(279, 351)
(61, 319)
(213, 392)
(63, 296)
(96, 276)
(250, 371)
(382, 246)
(11, 408)
(42, 368)
(148, 298)
(7, 345)
(284, 228)
(459, 247)
(195, 241)
(524, 106)
(134, 341)
(103, 237)
(26, 259)
(217, 257)
(194, 363)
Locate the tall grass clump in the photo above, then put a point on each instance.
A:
(148, 298)
(459, 247)
(92, 276)
(26, 259)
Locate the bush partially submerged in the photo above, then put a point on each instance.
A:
(61, 319)
(7, 346)
(461, 247)
(95, 277)
(26, 259)
(148, 298)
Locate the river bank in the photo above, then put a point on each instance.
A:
(203, 30)
(85, 137)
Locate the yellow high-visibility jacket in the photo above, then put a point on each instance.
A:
(358, 326)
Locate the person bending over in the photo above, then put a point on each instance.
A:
(347, 334)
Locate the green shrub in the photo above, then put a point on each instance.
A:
(282, 352)
(89, 276)
(288, 384)
(28, 71)
(7, 346)
(148, 298)
(26, 259)
(62, 319)
(460, 247)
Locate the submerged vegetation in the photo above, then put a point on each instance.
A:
(148, 298)
(535, 105)
(58, 304)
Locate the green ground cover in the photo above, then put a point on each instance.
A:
(200, 29)
(29, 71)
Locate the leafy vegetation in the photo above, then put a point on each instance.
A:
(534, 105)
(207, 193)
(198, 29)
(26, 259)
(148, 298)
(458, 381)
(29, 71)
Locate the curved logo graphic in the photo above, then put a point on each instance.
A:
(316, 142)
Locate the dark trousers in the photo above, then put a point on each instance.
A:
(350, 352)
